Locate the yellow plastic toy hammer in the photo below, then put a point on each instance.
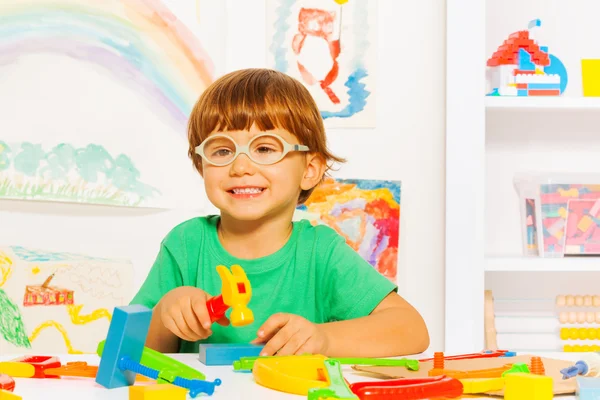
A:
(235, 293)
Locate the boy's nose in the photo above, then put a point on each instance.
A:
(242, 165)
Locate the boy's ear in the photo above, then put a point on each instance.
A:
(313, 173)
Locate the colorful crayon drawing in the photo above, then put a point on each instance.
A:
(521, 67)
(329, 46)
(53, 302)
(96, 95)
(66, 173)
(365, 212)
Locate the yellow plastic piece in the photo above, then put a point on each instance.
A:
(585, 223)
(157, 391)
(17, 369)
(291, 374)
(236, 292)
(6, 395)
(562, 212)
(590, 77)
(520, 386)
(482, 385)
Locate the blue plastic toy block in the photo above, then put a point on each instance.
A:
(226, 354)
(126, 337)
(588, 388)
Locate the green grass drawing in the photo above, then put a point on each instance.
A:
(66, 173)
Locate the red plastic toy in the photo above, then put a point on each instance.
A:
(41, 364)
(409, 388)
(7, 383)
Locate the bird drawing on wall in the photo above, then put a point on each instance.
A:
(317, 47)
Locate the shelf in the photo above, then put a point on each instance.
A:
(533, 264)
(551, 102)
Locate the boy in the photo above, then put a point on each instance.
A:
(258, 140)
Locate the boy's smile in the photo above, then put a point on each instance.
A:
(246, 192)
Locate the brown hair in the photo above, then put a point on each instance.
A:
(268, 98)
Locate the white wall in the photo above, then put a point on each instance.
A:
(407, 145)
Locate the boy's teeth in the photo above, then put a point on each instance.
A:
(247, 190)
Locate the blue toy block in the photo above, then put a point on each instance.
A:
(226, 354)
(588, 388)
(126, 338)
(525, 63)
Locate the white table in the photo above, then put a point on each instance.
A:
(235, 385)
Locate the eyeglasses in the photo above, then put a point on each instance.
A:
(264, 149)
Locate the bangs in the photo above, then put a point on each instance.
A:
(261, 99)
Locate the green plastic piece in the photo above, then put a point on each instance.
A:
(167, 376)
(516, 368)
(158, 361)
(247, 363)
(244, 364)
(337, 388)
(412, 365)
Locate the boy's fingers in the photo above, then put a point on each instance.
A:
(199, 308)
(192, 321)
(184, 331)
(278, 341)
(272, 326)
(293, 344)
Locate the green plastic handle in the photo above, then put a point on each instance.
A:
(337, 388)
(412, 365)
(247, 363)
(158, 361)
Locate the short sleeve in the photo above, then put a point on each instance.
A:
(354, 288)
(164, 276)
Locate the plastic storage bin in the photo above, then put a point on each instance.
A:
(560, 213)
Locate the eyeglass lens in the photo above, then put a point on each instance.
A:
(263, 149)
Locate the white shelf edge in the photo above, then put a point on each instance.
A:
(540, 102)
(539, 264)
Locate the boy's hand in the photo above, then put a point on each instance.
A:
(289, 334)
(183, 311)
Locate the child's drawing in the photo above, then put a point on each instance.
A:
(365, 212)
(58, 302)
(107, 85)
(328, 45)
(64, 172)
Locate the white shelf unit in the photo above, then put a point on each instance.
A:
(488, 139)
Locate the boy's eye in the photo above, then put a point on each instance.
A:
(221, 153)
(265, 149)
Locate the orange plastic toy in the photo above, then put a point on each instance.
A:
(438, 369)
(41, 364)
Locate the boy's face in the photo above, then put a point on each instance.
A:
(248, 191)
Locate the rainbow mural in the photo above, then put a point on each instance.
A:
(140, 43)
(365, 212)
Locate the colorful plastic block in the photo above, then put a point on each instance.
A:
(227, 353)
(588, 388)
(126, 338)
(4, 395)
(157, 392)
(40, 364)
(522, 386)
(7, 383)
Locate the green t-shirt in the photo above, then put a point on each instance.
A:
(316, 275)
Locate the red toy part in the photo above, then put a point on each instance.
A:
(409, 389)
(7, 383)
(483, 354)
(41, 364)
(216, 308)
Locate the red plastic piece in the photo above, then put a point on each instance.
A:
(409, 389)
(495, 353)
(216, 307)
(7, 383)
(41, 364)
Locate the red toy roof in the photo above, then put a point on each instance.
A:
(508, 52)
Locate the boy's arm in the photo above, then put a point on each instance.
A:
(394, 328)
(160, 338)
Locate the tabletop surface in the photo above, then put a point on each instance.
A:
(235, 385)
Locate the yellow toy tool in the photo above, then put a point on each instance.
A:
(235, 293)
